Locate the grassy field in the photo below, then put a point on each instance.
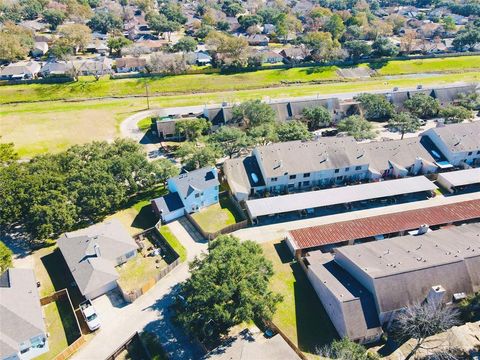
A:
(455, 64)
(217, 216)
(88, 87)
(37, 128)
(174, 242)
(300, 315)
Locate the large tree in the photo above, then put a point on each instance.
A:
(75, 36)
(228, 49)
(231, 140)
(186, 44)
(422, 106)
(358, 49)
(317, 117)
(455, 114)
(404, 122)
(383, 46)
(192, 129)
(253, 113)
(293, 130)
(376, 107)
(228, 286)
(323, 46)
(55, 193)
(5, 257)
(54, 17)
(164, 169)
(117, 43)
(195, 156)
(105, 22)
(357, 127)
(15, 42)
(420, 321)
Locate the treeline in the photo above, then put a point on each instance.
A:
(55, 193)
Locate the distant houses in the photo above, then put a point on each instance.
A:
(22, 70)
(189, 192)
(23, 333)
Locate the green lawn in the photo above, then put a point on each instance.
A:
(61, 327)
(88, 87)
(37, 128)
(145, 124)
(138, 215)
(135, 273)
(215, 217)
(453, 64)
(174, 242)
(300, 315)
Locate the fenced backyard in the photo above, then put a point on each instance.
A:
(155, 260)
(63, 326)
(223, 218)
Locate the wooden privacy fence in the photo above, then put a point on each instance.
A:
(294, 347)
(160, 241)
(124, 347)
(73, 347)
(134, 294)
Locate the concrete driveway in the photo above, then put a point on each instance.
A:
(150, 312)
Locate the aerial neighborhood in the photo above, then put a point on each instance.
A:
(238, 179)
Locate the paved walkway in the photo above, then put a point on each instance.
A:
(278, 231)
(150, 312)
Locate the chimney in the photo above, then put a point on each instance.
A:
(422, 229)
(436, 295)
(96, 247)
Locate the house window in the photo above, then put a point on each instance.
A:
(358, 168)
(470, 153)
(274, 179)
(337, 171)
(306, 175)
(197, 195)
(306, 183)
(293, 177)
(478, 152)
(347, 168)
(130, 254)
(216, 198)
(291, 186)
(339, 178)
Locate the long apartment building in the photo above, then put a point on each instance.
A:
(302, 165)
(363, 286)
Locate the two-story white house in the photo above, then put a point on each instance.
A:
(304, 164)
(459, 143)
(189, 192)
(23, 333)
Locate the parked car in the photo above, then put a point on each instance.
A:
(330, 132)
(90, 315)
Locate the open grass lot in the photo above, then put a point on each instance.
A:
(300, 315)
(217, 216)
(88, 87)
(453, 64)
(174, 242)
(37, 128)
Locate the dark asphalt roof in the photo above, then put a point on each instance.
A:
(168, 203)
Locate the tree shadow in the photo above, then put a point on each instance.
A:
(175, 342)
(314, 328)
(376, 65)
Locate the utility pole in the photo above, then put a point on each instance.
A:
(148, 100)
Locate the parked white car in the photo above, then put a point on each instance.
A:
(90, 315)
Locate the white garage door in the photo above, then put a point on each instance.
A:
(99, 292)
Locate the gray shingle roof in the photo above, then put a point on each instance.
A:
(400, 152)
(460, 137)
(168, 203)
(89, 271)
(20, 310)
(297, 157)
(198, 180)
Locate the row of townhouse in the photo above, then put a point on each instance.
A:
(301, 165)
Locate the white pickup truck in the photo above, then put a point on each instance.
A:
(90, 315)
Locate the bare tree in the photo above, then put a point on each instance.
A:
(420, 321)
(167, 63)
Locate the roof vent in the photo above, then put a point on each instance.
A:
(96, 247)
